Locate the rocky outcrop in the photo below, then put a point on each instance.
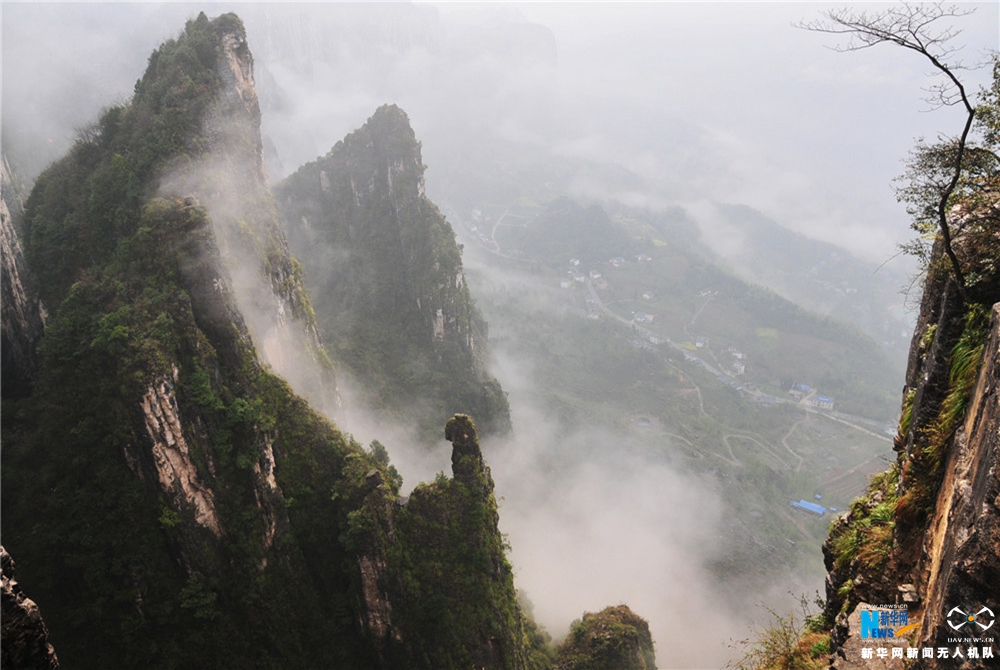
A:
(175, 470)
(437, 588)
(613, 639)
(386, 276)
(25, 636)
(960, 564)
(23, 314)
(467, 463)
(926, 536)
(377, 617)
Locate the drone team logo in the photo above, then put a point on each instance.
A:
(978, 622)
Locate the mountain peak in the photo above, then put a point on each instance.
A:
(466, 457)
(390, 113)
(387, 276)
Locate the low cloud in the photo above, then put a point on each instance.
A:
(596, 518)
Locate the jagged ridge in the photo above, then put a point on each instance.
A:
(386, 275)
(162, 485)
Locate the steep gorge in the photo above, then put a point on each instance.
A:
(162, 485)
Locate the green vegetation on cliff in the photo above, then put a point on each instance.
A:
(893, 539)
(386, 278)
(793, 641)
(81, 205)
(162, 488)
(449, 559)
(613, 639)
(184, 551)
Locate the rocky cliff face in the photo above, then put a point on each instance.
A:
(386, 277)
(25, 636)
(230, 181)
(23, 314)
(467, 616)
(612, 639)
(915, 564)
(960, 555)
(161, 484)
(926, 538)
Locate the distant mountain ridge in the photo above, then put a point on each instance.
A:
(818, 275)
(652, 266)
(565, 229)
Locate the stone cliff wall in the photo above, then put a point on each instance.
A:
(22, 313)
(25, 635)
(927, 535)
(960, 558)
(386, 275)
(229, 179)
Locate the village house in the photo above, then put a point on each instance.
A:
(822, 402)
(818, 510)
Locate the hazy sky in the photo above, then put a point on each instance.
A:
(776, 119)
(704, 101)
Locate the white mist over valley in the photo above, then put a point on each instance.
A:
(678, 221)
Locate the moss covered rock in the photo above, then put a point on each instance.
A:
(613, 639)
(163, 487)
(386, 277)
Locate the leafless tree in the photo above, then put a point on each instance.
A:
(924, 29)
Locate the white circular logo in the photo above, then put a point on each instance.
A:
(958, 618)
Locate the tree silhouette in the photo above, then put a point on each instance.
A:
(937, 170)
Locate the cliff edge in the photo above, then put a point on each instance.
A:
(25, 636)
(386, 277)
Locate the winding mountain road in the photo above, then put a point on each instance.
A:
(724, 378)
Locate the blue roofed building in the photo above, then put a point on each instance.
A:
(823, 402)
(810, 507)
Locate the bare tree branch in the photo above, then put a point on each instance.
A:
(917, 28)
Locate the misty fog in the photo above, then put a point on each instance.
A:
(653, 105)
(716, 101)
